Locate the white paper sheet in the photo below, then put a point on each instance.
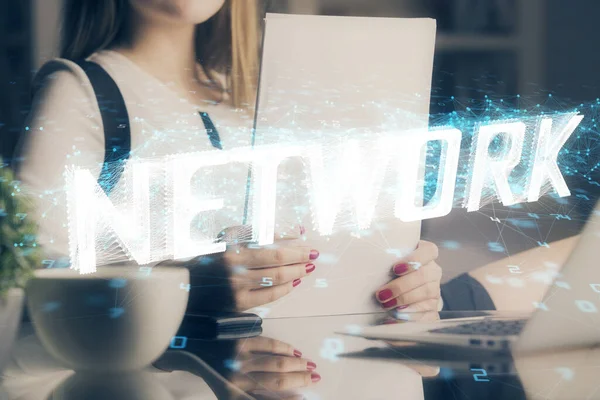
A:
(333, 77)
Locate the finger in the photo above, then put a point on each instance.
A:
(270, 256)
(267, 277)
(246, 299)
(292, 234)
(271, 363)
(295, 232)
(428, 273)
(430, 290)
(262, 344)
(424, 316)
(276, 381)
(425, 253)
(420, 307)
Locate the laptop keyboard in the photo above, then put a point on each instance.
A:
(486, 328)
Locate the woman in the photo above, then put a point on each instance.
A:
(173, 61)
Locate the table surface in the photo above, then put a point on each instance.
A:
(349, 367)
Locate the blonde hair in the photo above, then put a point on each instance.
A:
(228, 43)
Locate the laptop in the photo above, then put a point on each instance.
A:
(568, 317)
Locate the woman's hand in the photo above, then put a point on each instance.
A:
(248, 276)
(267, 365)
(255, 368)
(417, 288)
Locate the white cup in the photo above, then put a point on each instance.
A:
(116, 319)
(139, 385)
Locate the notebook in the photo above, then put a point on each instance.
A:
(330, 80)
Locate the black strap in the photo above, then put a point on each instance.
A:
(211, 131)
(117, 133)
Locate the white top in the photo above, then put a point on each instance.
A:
(65, 128)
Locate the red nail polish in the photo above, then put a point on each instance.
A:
(399, 269)
(315, 377)
(384, 295)
(402, 307)
(391, 303)
(311, 366)
(296, 282)
(302, 230)
(310, 268)
(314, 254)
(297, 353)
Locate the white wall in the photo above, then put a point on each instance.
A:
(46, 16)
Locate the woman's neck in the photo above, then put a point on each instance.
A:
(164, 50)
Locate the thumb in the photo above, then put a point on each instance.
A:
(295, 232)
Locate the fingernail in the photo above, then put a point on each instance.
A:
(297, 353)
(315, 377)
(391, 303)
(302, 230)
(310, 268)
(385, 294)
(399, 269)
(311, 366)
(402, 307)
(296, 282)
(314, 254)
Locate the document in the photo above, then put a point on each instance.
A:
(327, 80)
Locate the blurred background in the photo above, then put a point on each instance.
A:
(499, 48)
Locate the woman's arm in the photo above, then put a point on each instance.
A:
(63, 128)
(517, 282)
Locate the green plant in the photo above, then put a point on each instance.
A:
(19, 252)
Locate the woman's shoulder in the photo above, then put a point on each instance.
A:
(62, 78)
(65, 84)
(67, 75)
